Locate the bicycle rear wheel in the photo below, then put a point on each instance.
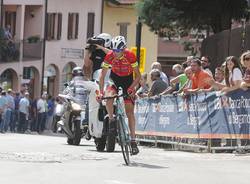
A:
(124, 139)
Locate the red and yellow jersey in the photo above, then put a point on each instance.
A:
(122, 66)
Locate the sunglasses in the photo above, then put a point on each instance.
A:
(117, 50)
(246, 59)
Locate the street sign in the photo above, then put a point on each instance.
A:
(142, 58)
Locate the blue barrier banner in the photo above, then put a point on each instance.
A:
(204, 115)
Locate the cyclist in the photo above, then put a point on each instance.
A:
(123, 64)
(95, 54)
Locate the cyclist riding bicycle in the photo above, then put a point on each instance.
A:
(123, 65)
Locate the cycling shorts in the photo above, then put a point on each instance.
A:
(124, 82)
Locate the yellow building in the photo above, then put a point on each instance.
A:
(121, 19)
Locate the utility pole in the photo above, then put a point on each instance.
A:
(1, 16)
(44, 43)
(138, 40)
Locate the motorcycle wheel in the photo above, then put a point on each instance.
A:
(100, 143)
(77, 133)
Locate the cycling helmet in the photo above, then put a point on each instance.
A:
(107, 38)
(118, 43)
(77, 71)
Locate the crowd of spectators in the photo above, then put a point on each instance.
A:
(195, 76)
(19, 113)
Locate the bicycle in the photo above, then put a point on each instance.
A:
(123, 130)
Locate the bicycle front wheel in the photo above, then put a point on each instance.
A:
(124, 139)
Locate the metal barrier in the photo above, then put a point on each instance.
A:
(205, 121)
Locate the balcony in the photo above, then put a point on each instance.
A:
(32, 50)
(9, 52)
(25, 50)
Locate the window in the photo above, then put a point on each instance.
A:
(124, 29)
(73, 22)
(91, 25)
(54, 26)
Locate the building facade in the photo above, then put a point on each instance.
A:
(47, 40)
(121, 19)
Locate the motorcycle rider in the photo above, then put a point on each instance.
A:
(95, 54)
(82, 88)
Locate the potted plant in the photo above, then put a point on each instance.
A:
(33, 39)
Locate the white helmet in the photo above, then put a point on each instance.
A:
(107, 38)
(118, 42)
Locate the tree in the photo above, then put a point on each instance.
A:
(164, 16)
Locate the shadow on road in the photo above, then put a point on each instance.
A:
(149, 166)
(94, 150)
(80, 145)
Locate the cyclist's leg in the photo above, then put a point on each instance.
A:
(129, 108)
(110, 91)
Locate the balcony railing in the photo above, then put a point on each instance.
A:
(32, 50)
(9, 51)
(24, 50)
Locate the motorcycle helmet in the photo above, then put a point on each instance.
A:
(118, 43)
(77, 71)
(107, 38)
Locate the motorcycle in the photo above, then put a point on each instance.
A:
(75, 118)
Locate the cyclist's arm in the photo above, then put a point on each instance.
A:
(102, 77)
(137, 77)
(87, 64)
(105, 50)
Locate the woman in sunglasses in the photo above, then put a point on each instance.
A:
(245, 61)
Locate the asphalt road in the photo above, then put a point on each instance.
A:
(39, 159)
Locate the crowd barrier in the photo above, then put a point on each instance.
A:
(218, 121)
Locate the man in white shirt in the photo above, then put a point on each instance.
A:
(41, 113)
(24, 106)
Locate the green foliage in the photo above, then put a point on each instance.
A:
(177, 17)
(33, 39)
(8, 51)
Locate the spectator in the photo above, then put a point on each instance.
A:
(3, 106)
(58, 113)
(219, 81)
(164, 77)
(41, 113)
(245, 61)
(188, 84)
(233, 74)
(33, 109)
(10, 115)
(177, 70)
(24, 105)
(158, 85)
(16, 111)
(50, 114)
(187, 62)
(205, 63)
(219, 75)
(199, 78)
(144, 87)
(7, 33)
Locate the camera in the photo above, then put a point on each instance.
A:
(92, 42)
